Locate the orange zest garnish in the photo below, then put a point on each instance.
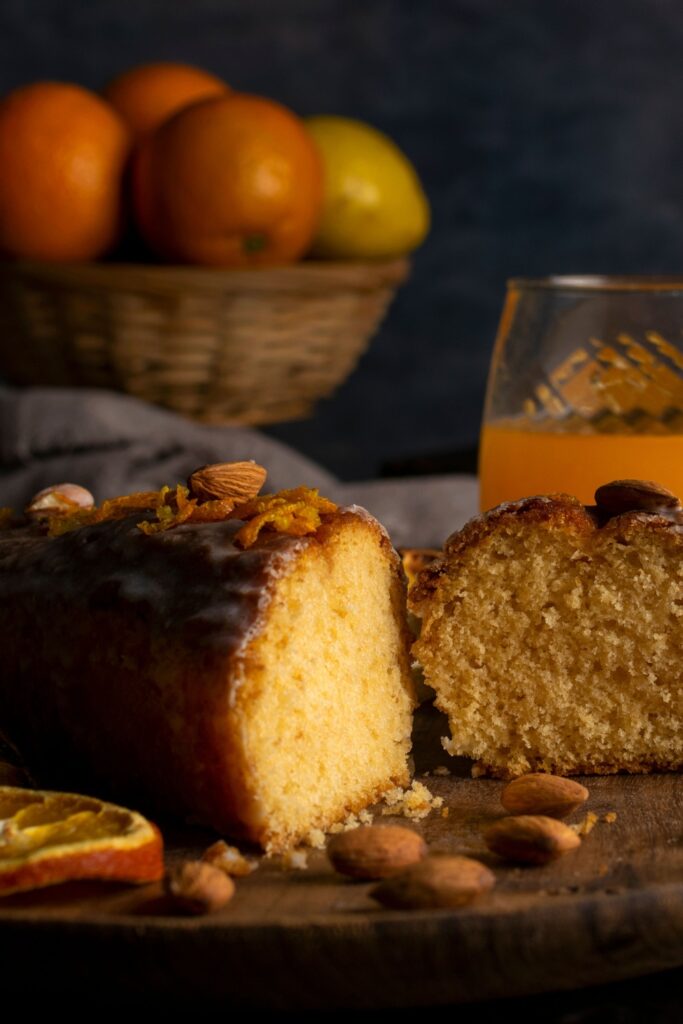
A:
(46, 838)
(296, 512)
(112, 508)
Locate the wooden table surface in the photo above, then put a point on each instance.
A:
(611, 910)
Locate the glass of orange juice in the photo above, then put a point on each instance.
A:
(586, 386)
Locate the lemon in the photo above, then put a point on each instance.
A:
(374, 206)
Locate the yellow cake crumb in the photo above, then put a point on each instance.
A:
(414, 803)
(364, 817)
(445, 811)
(316, 839)
(294, 860)
(442, 770)
(229, 859)
(610, 817)
(586, 825)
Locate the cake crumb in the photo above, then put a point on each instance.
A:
(294, 860)
(229, 860)
(610, 817)
(414, 803)
(364, 817)
(445, 811)
(442, 770)
(316, 839)
(586, 825)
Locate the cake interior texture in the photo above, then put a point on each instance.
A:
(264, 693)
(555, 645)
(325, 716)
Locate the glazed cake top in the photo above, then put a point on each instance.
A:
(192, 578)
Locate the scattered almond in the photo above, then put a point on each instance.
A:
(59, 498)
(196, 887)
(531, 839)
(538, 793)
(632, 496)
(236, 481)
(435, 882)
(375, 851)
(229, 859)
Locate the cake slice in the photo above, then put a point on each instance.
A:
(257, 682)
(552, 634)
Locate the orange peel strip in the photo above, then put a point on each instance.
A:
(296, 512)
(48, 837)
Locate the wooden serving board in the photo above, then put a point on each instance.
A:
(303, 939)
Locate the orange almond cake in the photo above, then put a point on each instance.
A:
(226, 671)
(552, 634)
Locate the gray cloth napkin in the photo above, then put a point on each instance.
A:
(115, 444)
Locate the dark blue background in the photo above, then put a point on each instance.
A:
(548, 134)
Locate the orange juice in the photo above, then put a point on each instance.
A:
(516, 461)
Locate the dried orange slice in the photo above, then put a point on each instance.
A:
(46, 838)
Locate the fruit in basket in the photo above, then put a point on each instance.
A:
(62, 154)
(235, 181)
(147, 95)
(374, 205)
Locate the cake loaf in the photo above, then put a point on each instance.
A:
(264, 690)
(552, 634)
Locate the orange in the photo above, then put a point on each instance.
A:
(149, 94)
(47, 838)
(235, 182)
(62, 156)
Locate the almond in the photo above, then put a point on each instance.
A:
(375, 851)
(538, 793)
(633, 496)
(59, 498)
(236, 481)
(436, 882)
(531, 839)
(196, 887)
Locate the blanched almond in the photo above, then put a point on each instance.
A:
(59, 498)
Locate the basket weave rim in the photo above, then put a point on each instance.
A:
(308, 276)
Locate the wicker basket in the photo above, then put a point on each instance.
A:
(238, 346)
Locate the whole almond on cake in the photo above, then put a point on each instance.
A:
(552, 634)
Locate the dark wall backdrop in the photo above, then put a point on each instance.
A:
(548, 134)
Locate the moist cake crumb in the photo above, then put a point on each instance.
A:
(414, 803)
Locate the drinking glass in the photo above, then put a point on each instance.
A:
(586, 386)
